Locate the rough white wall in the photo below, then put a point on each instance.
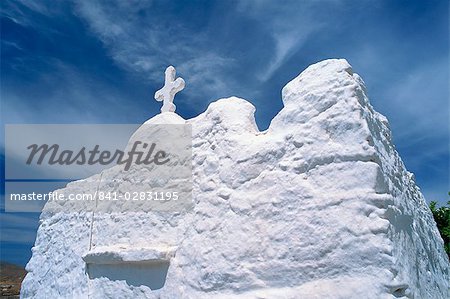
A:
(318, 206)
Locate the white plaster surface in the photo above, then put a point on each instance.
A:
(319, 205)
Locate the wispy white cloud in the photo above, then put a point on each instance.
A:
(418, 95)
(287, 44)
(411, 91)
(414, 96)
(74, 101)
(147, 45)
(290, 25)
(28, 13)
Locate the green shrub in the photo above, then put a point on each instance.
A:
(442, 217)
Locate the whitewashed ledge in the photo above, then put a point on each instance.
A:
(125, 254)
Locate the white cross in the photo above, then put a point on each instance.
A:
(170, 88)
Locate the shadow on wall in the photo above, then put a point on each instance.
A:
(150, 274)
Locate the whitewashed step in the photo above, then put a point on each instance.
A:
(127, 254)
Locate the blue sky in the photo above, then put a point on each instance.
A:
(102, 61)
